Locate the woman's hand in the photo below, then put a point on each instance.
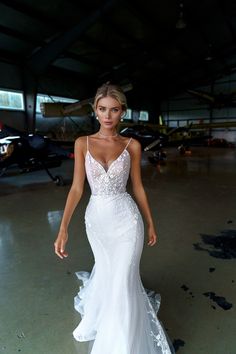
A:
(60, 244)
(152, 236)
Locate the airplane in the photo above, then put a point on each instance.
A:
(219, 100)
(79, 108)
(30, 152)
(155, 141)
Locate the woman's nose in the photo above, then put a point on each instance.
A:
(108, 114)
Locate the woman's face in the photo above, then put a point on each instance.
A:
(109, 112)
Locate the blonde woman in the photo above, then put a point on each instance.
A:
(115, 309)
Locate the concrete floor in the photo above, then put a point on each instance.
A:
(191, 196)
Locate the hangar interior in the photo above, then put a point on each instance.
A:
(177, 60)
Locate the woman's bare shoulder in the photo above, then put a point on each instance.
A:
(81, 143)
(134, 145)
(126, 140)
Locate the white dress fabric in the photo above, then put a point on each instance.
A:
(117, 313)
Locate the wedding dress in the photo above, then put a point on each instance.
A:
(117, 314)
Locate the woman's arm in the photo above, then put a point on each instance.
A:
(73, 198)
(139, 192)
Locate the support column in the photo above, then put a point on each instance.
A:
(30, 95)
(211, 109)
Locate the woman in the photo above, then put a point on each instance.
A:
(115, 309)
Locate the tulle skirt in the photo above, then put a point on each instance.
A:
(118, 314)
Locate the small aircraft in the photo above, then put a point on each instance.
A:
(154, 141)
(79, 108)
(219, 100)
(30, 152)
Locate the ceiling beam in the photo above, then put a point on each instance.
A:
(82, 59)
(226, 20)
(10, 57)
(49, 22)
(145, 17)
(19, 35)
(31, 12)
(45, 56)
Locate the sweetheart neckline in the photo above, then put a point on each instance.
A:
(100, 164)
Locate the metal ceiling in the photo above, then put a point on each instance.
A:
(128, 41)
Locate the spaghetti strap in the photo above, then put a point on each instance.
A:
(128, 143)
(87, 143)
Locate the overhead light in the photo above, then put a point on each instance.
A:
(118, 66)
(181, 24)
(127, 87)
(208, 58)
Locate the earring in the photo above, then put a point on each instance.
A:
(97, 117)
(122, 117)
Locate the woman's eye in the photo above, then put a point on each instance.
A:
(115, 110)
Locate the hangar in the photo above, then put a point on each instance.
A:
(176, 61)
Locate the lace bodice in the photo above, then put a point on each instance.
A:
(110, 181)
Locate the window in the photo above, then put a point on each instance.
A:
(11, 100)
(128, 114)
(143, 115)
(182, 123)
(173, 123)
(51, 99)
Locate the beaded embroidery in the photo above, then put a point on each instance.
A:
(110, 182)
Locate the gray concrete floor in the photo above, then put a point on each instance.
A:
(190, 197)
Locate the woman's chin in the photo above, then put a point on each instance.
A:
(108, 125)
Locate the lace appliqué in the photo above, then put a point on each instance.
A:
(153, 302)
(110, 182)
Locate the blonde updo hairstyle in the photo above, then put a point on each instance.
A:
(109, 90)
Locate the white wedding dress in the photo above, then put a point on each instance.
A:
(117, 314)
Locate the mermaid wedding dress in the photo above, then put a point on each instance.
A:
(117, 314)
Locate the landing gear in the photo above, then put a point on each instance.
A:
(58, 180)
(2, 171)
(184, 150)
(158, 157)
